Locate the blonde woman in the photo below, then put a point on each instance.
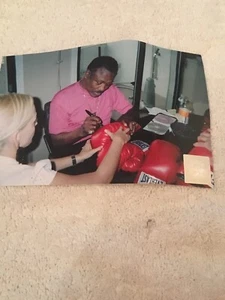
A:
(17, 127)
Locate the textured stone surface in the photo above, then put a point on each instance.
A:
(117, 242)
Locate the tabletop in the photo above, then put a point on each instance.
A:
(185, 143)
(178, 137)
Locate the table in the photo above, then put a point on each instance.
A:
(185, 144)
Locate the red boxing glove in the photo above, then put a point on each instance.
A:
(131, 156)
(161, 164)
(101, 138)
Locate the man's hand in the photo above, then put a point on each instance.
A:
(91, 124)
(133, 126)
(129, 117)
(120, 134)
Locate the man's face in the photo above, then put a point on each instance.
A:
(98, 82)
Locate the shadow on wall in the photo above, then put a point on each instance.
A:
(22, 155)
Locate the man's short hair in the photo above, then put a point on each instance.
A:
(106, 62)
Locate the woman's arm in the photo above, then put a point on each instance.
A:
(65, 162)
(107, 168)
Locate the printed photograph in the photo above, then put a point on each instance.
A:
(115, 113)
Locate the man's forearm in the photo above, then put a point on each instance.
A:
(130, 115)
(68, 138)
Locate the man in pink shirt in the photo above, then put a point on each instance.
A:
(69, 121)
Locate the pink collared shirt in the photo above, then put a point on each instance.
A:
(67, 109)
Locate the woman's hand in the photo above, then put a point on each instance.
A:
(204, 140)
(120, 135)
(133, 126)
(87, 151)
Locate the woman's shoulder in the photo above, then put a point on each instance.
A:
(42, 173)
(39, 173)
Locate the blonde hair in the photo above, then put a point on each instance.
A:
(16, 110)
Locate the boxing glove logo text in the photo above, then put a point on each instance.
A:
(144, 146)
(146, 178)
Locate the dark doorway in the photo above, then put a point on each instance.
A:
(180, 67)
(11, 74)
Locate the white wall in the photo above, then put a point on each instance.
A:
(194, 85)
(40, 79)
(41, 74)
(147, 64)
(88, 53)
(125, 52)
(163, 74)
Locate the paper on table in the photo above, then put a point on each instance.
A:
(155, 110)
(197, 170)
(160, 124)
